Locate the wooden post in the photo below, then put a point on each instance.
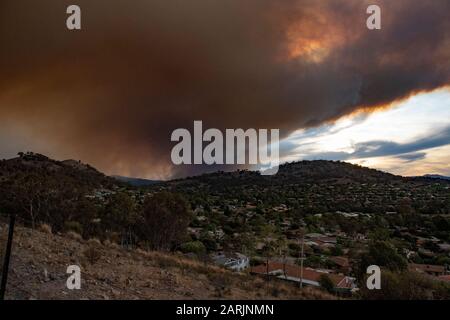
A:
(7, 256)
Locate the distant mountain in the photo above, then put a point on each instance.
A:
(136, 182)
(436, 176)
(299, 173)
(315, 187)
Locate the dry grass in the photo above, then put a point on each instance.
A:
(226, 284)
(46, 228)
(74, 236)
(118, 273)
(94, 242)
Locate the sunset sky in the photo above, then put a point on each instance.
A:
(410, 138)
(111, 94)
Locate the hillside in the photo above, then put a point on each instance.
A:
(40, 259)
(38, 188)
(348, 213)
(436, 176)
(136, 182)
(319, 186)
(75, 173)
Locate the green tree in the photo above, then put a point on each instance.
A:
(382, 254)
(407, 286)
(326, 283)
(119, 212)
(165, 217)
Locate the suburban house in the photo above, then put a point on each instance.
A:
(309, 276)
(342, 263)
(236, 261)
(444, 247)
(429, 269)
(320, 240)
(326, 242)
(445, 278)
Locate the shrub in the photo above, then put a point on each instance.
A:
(210, 244)
(255, 261)
(221, 283)
(166, 262)
(74, 236)
(92, 254)
(278, 290)
(73, 226)
(407, 285)
(196, 247)
(94, 242)
(326, 283)
(43, 227)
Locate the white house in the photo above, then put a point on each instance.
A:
(235, 262)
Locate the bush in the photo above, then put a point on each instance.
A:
(196, 247)
(73, 226)
(210, 244)
(92, 254)
(74, 236)
(43, 227)
(337, 251)
(221, 283)
(407, 286)
(326, 283)
(166, 262)
(255, 261)
(94, 242)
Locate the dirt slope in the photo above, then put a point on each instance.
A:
(40, 259)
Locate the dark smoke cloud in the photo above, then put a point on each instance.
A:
(112, 93)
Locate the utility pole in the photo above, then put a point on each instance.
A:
(301, 262)
(301, 256)
(7, 256)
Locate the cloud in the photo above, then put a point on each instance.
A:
(410, 157)
(379, 148)
(112, 93)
